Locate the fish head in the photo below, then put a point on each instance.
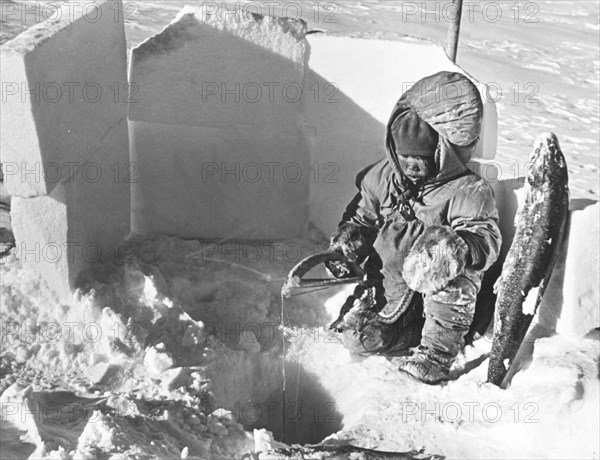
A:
(546, 161)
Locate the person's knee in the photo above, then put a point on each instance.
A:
(454, 306)
(460, 290)
(372, 339)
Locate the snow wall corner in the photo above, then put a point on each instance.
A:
(65, 144)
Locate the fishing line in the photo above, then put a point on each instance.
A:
(297, 395)
(283, 412)
(284, 376)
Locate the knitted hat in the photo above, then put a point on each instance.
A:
(412, 136)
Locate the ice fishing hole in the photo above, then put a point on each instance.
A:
(248, 381)
(311, 413)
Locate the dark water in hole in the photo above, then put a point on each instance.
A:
(311, 412)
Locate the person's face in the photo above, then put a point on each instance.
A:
(417, 168)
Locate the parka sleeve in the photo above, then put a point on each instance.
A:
(363, 210)
(474, 216)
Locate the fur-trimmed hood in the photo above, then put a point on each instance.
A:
(451, 104)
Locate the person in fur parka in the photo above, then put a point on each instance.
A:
(426, 223)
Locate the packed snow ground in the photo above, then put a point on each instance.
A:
(154, 350)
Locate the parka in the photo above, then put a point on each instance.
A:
(387, 201)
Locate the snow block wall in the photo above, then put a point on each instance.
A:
(234, 108)
(216, 129)
(570, 303)
(352, 86)
(65, 148)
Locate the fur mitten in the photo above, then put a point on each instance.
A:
(350, 241)
(437, 257)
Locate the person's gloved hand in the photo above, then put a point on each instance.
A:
(437, 257)
(350, 241)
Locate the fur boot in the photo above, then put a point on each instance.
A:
(425, 366)
(437, 257)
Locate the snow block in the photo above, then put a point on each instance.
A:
(570, 303)
(216, 128)
(61, 94)
(349, 98)
(65, 146)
